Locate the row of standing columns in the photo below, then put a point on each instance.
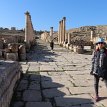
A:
(62, 31)
(63, 37)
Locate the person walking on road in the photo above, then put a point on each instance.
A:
(52, 45)
(99, 65)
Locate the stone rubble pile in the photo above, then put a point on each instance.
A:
(13, 51)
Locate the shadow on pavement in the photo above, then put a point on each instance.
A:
(34, 88)
(59, 95)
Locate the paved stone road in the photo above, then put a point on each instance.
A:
(57, 79)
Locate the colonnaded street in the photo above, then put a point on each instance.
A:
(57, 79)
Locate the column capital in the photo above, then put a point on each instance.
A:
(59, 22)
(64, 18)
(51, 27)
(27, 13)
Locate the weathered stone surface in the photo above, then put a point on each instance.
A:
(38, 104)
(13, 47)
(33, 68)
(46, 68)
(34, 86)
(18, 104)
(29, 31)
(89, 105)
(24, 68)
(80, 90)
(76, 100)
(33, 95)
(22, 49)
(9, 74)
(50, 93)
(22, 57)
(22, 87)
(1, 44)
(1, 54)
(35, 77)
(12, 56)
(50, 84)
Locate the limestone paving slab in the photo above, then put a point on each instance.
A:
(38, 104)
(59, 69)
(32, 95)
(33, 63)
(50, 84)
(44, 73)
(56, 83)
(23, 63)
(18, 104)
(76, 72)
(23, 81)
(35, 77)
(81, 90)
(55, 78)
(22, 87)
(52, 63)
(60, 78)
(79, 77)
(43, 63)
(88, 105)
(80, 83)
(25, 67)
(46, 68)
(46, 78)
(53, 92)
(34, 86)
(33, 68)
(56, 73)
(74, 100)
(69, 68)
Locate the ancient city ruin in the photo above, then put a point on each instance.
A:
(76, 39)
(14, 46)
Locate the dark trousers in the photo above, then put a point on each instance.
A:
(96, 84)
(52, 47)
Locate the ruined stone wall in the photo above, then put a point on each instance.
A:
(10, 72)
(11, 46)
(45, 36)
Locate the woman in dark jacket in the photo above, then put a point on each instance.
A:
(99, 65)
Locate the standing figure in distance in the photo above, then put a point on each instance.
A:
(52, 45)
(99, 65)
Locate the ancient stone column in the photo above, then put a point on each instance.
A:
(66, 38)
(64, 19)
(91, 35)
(69, 38)
(51, 33)
(26, 27)
(29, 31)
(61, 31)
(59, 34)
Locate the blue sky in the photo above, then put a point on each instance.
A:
(48, 13)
